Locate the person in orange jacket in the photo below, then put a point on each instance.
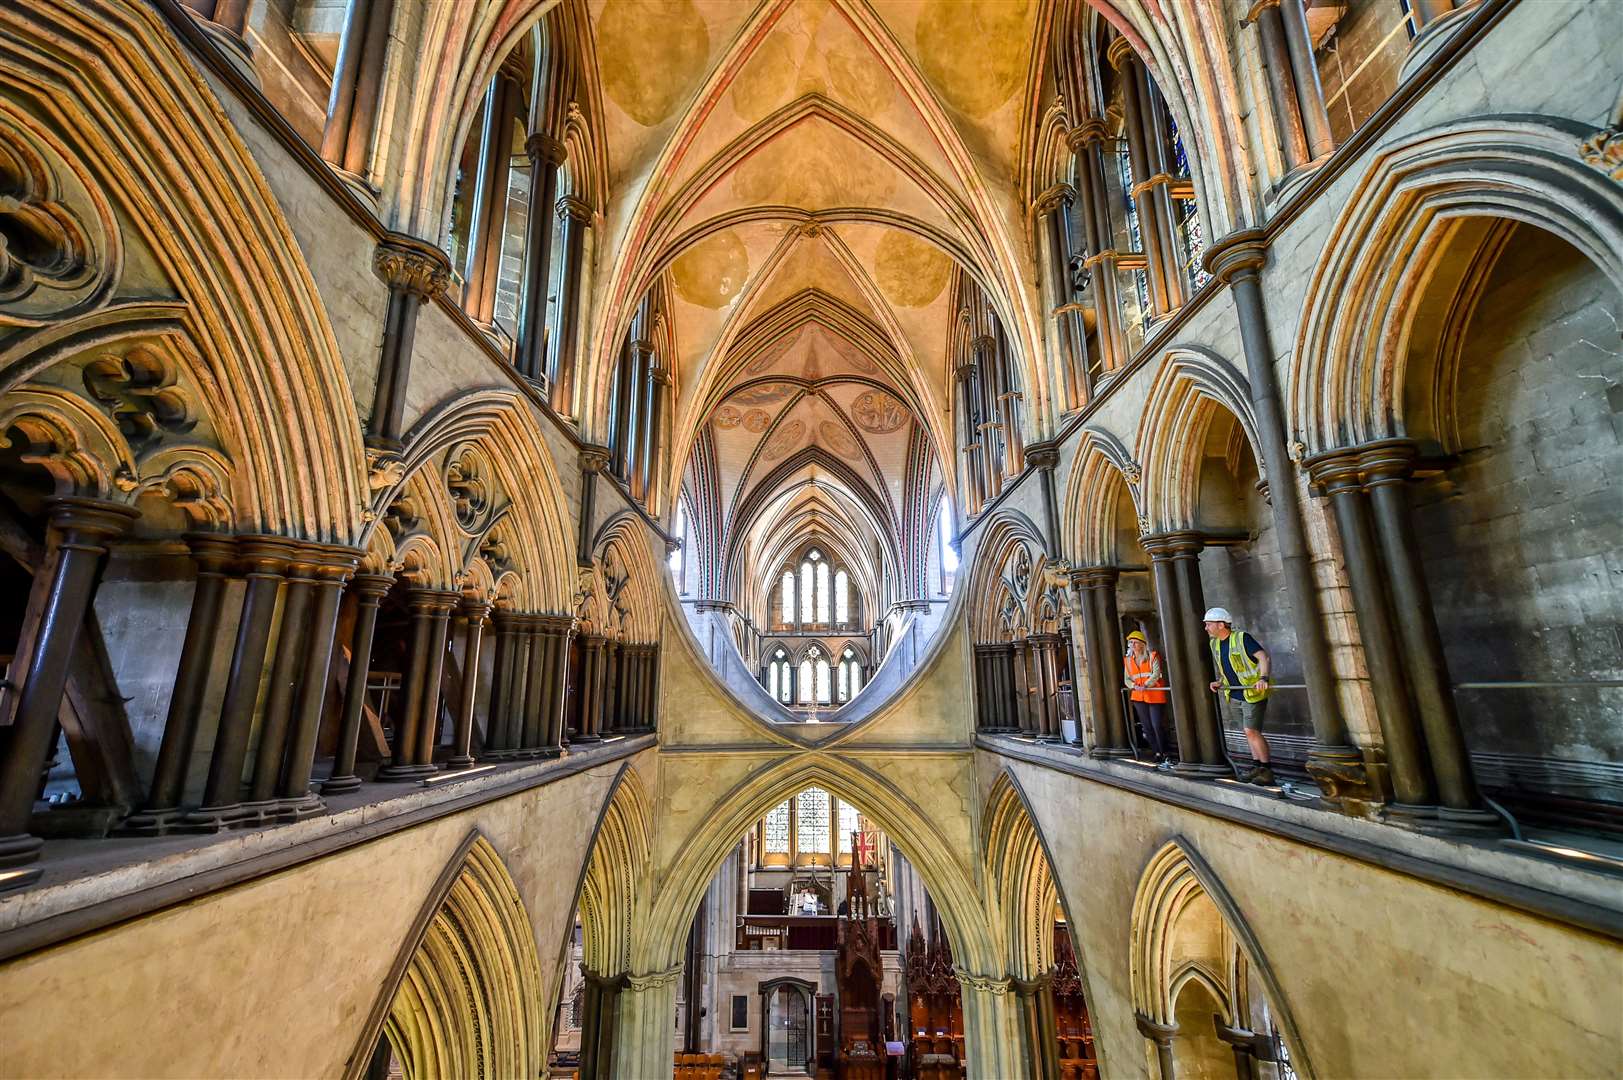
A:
(1142, 675)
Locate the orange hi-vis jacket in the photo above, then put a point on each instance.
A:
(1141, 672)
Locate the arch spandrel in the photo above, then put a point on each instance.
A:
(1348, 368)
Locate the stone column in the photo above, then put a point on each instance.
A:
(473, 615)
(1276, 65)
(593, 460)
(295, 799)
(1206, 756)
(1385, 468)
(291, 637)
(1136, 104)
(1048, 686)
(1158, 151)
(591, 692)
(546, 156)
(1098, 585)
(600, 1008)
(428, 732)
(414, 271)
(1160, 1035)
(1305, 77)
(577, 218)
(490, 200)
(653, 687)
(1178, 666)
(213, 554)
(357, 81)
(498, 727)
(76, 539)
(369, 591)
(404, 762)
(1337, 474)
(264, 560)
(1087, 143)
(1336, 765)
(535, 696)
(1034, 999)
(613, 689)
(560, 627)
(1244, 1044)
(1054, 207)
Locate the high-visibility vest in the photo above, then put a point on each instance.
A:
(1144, 667)
(1244, 667)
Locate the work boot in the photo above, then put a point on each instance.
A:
(1262, 775)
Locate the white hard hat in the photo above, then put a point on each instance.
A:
(1218, 614)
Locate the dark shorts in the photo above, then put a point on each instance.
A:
(1248, 714)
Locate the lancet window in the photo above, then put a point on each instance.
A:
(814, 828)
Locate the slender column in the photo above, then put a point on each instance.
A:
(473, 614)
(403, 764)
(1244, 1044)
(1161, 1036)
(1305, 77)
(653, 687)
(1087, 143)
(1135, 105)
(1337, 473)
(1158, 151)
(264, 559)
(590, 690)
(498, 742)
(79, 530)
(296, 799)
(1336, 765)
(369, 591)
(1385, 468)
(1276, 65)
(1022, 684)
(490, 206)
(562, 626)
(291, 639)
(1035, 1001)
(1047, 706)
(648, 445)
(546, 156)
(414, 271)
(535, 689)
(1052, 208)
(428, 732)
(1206, 755)
(1099, 596)
(357, 80)
(213, 555)
(1182, 670)
(577, 218)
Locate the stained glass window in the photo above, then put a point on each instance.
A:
(842, 597)
(776, 829)
(822, 674)
(772, 679)
(806, 682)
(844, 684)
(806, 594)
(849, 823)
(822, 592)
(811, 825)
(787, 597)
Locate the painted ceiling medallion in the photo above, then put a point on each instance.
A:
(784, 440)
(757, 420)
(728, 417)
(837, 439)
(877, 412)
(770, 394)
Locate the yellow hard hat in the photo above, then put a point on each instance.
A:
(1138, 635)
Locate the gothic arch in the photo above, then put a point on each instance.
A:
(1348, 374)
(1190, 388)
(464, 996)
(629, 576)
(616, 878)
(1009, 565)
(1100, 469)
(1185, 925)
(255, 335)
(1022, 879)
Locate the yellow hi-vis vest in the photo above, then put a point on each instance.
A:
(1245, 667)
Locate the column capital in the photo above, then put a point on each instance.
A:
(474, 610)
(1335, 470)
(1042, 455)
(371, 588)
(1157, 1032)
(1053, 198)
(1091, 130)
(432, 601)
(1169, 545)
(1094, 577)
(571, 208)
(404, 262)
(984, 984)
(90, 517)
(556, 624)
(1257, 9)
(1238, 254)
(593, 458)
(1028, 988)
(544, 149)
(213, 552)
(265, 555)
(1120, 53)
(1387, 461)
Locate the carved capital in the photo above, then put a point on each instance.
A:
(384, 468)
(1042, 455)
(412, 265)
(1053, 198)
(983, 984)
(594, 459)
(653, 980)
(1238, 253)
(573, 209)
(1120, 53)
(1091, 130)
(1604, 151)
(543, 148)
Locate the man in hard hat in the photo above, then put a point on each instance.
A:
(1242, 666)
(1142, 675)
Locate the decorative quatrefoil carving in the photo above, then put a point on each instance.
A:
(467, 480)
(53, 235)
(141, 389)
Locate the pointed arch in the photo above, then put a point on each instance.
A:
(616, 878)
(1184, 922)
(464, 995)
(995, 580)
(1189, 388)
(1101, 468)
(1347, 376)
